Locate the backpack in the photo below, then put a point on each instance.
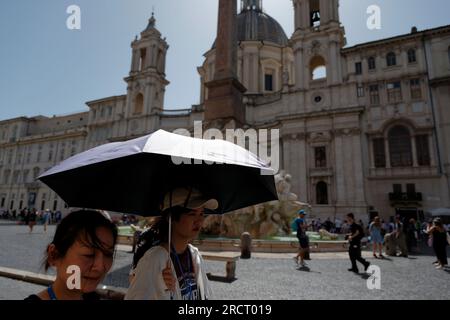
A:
(294, 225)
(146, 240)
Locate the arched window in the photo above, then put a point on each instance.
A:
(322, 193)
(400, 147)
(314, 7)
(372, 64)
(318, 68)
(412, 56)
(142, 59)
(139, 104)
(269, 80)
(391, 59)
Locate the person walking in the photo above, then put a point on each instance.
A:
(411, 235)
(439, 243)
(376, 237)
(338, 225)
(354, 249)
(32, 216)
(46, 219)
(302, 238)
(400, 237)
(86, 240)
(176, 271)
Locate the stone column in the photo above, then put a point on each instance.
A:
(135, 60)
(334, 70)
(246, 69)
(324, 11)
(297, 13)
(305, 11)
(358, 169)
(148, 97)
(299, 70)
(302, 169)
(340, 187)
(224, 102)
(387, 153)
(349, 168)
(431, 150)
(226, 44)
(414, 151)
(254, 72)
(371, 155)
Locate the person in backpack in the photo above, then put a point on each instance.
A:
(303, 239)
(174, 272)
(354, 249)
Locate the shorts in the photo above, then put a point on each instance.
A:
(304, 242)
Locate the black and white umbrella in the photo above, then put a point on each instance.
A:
(134, 176)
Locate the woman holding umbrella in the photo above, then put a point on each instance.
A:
(182, 276)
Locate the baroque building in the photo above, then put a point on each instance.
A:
(363, 129)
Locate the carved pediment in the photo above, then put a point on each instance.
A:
(315, 48)
(319, 136)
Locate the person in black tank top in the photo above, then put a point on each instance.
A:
(439, 236)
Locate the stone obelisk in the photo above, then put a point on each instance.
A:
(224, 102)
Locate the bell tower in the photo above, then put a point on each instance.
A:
(317, 42)
(146, 81)
(315, 13)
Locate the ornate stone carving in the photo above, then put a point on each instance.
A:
(261, 221)
(294, 136)
(347, 132)
(319, 136)
(316, 48)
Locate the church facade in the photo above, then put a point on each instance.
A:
(362, 129)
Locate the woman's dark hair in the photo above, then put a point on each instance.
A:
(157, 233)
(80, 224)
(161, 226)
(437, 222)
(351, 216)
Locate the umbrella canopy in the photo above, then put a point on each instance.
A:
(135, 175)
(440, 212)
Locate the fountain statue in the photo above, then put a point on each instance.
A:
(261, 221)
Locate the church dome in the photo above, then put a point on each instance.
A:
(255, 25)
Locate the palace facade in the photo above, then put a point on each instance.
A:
(363, 128)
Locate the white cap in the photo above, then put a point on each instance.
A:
(194, 200)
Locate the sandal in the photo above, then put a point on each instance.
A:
(375, 256)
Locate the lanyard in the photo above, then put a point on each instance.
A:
(51, 293)
(184, 275)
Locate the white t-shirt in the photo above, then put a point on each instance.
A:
(147, 282)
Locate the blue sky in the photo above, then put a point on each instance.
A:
(47, 69)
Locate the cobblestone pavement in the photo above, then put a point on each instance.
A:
(264, 276)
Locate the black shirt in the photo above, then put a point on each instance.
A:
(356, 240)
